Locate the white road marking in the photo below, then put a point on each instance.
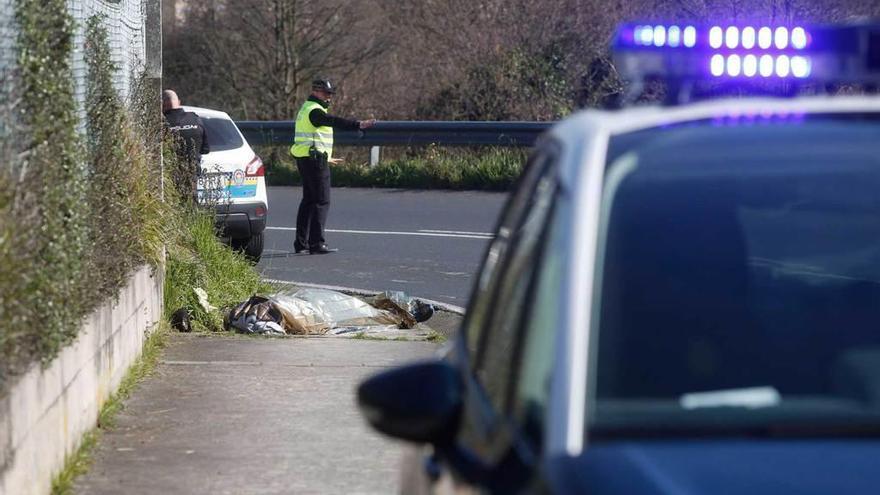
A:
(469, 235)
(457, 232)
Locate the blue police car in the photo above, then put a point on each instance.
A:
(680, 299)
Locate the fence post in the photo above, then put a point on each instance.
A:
(153, 68)
(375, 151)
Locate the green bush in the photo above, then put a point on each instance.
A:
(79, 213)
(126, 208)
(45, 249)
(197, 259)
(492, 169)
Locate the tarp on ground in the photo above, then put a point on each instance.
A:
(308, 311)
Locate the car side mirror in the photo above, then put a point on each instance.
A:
(420, 403)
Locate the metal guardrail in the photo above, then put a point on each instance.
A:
(406, 133)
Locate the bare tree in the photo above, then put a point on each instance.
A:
(516, 59)
(259, 55)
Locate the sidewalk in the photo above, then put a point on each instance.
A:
(237, 415)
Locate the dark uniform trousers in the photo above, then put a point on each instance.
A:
(315, 204)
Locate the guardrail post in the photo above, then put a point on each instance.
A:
(375, 152)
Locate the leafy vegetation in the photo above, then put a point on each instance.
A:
(196, 259)
(493, 169)
(79, 212)
(45, 229)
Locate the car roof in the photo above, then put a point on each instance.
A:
(207, 112)
(588, 131)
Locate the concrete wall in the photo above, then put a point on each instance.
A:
(48, 410)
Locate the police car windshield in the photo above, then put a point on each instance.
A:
(222, 134)
(741, 279)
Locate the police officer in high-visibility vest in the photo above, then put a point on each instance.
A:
(313, 150)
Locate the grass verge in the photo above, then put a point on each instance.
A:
(78, 462)
(197, 259)
(492, 169)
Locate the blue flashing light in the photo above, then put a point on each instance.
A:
(716, 65)
(800, 67)
(765, 65)
(645, 35)
(681, 51)
(734, 65)
(750, 65)
(715, 37)
(673, 36)
(765, 37)
(659, 36)
(783, 66)
(731, 37)
(690, 36)
(799, 38)
(748, 37)
(780, 38)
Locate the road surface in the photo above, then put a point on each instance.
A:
(426, 243)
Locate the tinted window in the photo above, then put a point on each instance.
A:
(222, 134)
(525, 222)
(541, 322)
(480, 310)
(500, 300)
(741, 280)
(496, 365)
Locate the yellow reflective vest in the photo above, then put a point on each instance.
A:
(306, 135)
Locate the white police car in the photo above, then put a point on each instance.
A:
(233, 182)
(679, 299)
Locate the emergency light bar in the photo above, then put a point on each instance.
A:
(683, 53)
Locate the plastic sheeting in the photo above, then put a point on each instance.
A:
(256, 315)
(408, 309)
(318, 311)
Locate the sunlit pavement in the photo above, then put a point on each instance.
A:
(238, 415)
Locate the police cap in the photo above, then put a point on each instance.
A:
(323, 85)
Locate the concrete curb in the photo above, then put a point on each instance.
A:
(366, 292)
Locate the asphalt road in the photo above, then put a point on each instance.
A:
(428, 244)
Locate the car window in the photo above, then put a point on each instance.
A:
(741, 282)
(497, 356)
(531, 389)
(222, 134)
(487, 280)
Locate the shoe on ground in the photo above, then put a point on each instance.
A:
(322, 249)
(297, 249)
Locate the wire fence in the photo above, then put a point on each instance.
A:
(125, 21)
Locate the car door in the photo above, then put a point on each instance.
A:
(497, 433)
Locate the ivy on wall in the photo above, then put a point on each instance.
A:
(49, 303)
(77, 213)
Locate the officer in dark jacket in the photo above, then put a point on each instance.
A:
(190, 140)
(313, 150)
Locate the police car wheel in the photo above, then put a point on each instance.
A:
(254, 248)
